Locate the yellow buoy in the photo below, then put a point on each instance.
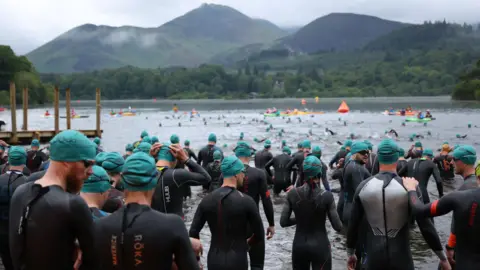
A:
(317, 99)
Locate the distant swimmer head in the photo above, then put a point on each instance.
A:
(360, 152)
(465, 157)
(233, 170)
(129, 148)
(312, 167)
(427, 153)
(284, 143)
(98, 182)
(97, 141)
(388, 152)
(317, 152)
(241, 135)
(17, 156)
(212, 138)
(113, 163)
(35, 145)
(139, 174)
(187, 143)
(174, 139)
(165, 154)
(144, 134)
(217, 155)
(154, 139)
(286, 150)
(147, 139)
(348, 144)
(72, 149)
(267, 144)
(143, 147)
(243, 150)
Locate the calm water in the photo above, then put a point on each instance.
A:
(245, 116)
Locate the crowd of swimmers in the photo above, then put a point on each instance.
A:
(80, 207)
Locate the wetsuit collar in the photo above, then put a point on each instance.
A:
(14, 172)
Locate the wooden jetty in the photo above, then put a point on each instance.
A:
(25, 136)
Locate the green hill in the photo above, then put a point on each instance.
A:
(188, 40)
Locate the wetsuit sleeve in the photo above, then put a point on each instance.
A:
(337, 174)
(255, 222)
(195, 177)
(286, 219)
(267, 167)
(332, 212)
(191, 154)
(266, 200)
(198, 220)
(403, 170)
(334, 160)
(184, 255)
(356, 217)
(199, 159)
(82, 224)
(436, 208)
(438, 179)
(291, 163)
(325, 180)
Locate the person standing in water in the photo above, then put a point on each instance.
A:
(35, 157)
(317, 152)
(136, 236)
(205, 155)
(95, 191)
(341, 154)
(262, 157)
(281, 179)
(445, 164)
(46, 216)
(415, 151)
(214, 170)
(372, 164)
(402, 162)
(189, 151)
(297, 162)
(232, 218)
(113, 163)
(128, 150)
(311, 205)
(383, 203)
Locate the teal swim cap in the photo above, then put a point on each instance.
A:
(307, 144)
(401, 152)
(165, 154)
(300, 145)
(287, 150)
(97, 141)
(146, 139)
(317, 151)
(143, 147)
(217, 155)
(348, 143)
(370, 145)
(139, 173)
(212, 137)
(284, 143)
(466, 154)
(72, 146)
(428, 152)
(241, 135)
(17, 156)
(358, 147)
(129, 147)
(35, 143)
(144, 134)
(243, 149)
(187, 142)
(388, 152)
(267, 144)
(113, 162)
(231, 166)
(97, 182)
(154, 139)
(100, 158)
(174, 139)
(312, 167)
(418, 144)
(342, 147)
(348, 156)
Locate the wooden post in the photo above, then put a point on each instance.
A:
(13, 109)
(98, 130)
(25, 108)
(55, 102)
(67, 104)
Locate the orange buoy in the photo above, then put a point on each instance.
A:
(343, 107)
(304, 102)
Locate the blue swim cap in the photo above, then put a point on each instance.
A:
(113, 162)
(317, 152)
(174, 139)
(243, 149)
(165, 154)
(401, 152)
(212, 137)
(17, 156)
(241, 135)
(97, 182)
(300, 145)
(143, 147)
(312, 167)
(466, 154)
(358, 147)
(231, 166)
(284, 143)
(139, 173)
(370, 145)
(72, 146)
(100, 158)
(388, 152)
(35, 143)
(418, 144)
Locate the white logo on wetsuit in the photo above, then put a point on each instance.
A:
(167, 194)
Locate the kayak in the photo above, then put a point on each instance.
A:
(271, 115)
(412, 113)
(76, 116)
(415, 119)
(47, 116)
(302, 113)
(128, 114)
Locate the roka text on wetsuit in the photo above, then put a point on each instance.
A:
(383, 201)
(282, 175)
(421, 169)
(232, 218)
(168, 197)
(138, 237)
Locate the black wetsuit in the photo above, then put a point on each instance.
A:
(372, 165)
(168, 196)
(445, 167)
(311, 206)
(215, 173)
(205, 157)
(466, 217)
(35, 176)
(262, 157)
(190, 153)
(353, 174)
(294, 170)
(400, 164)
(138, 237)
(54, 220)
(187, 190)
(8, 184)
(6, 166)
(412, 153)
(232, 218)
(297, 162)
(421, 169)
(35, 159)
(339, 155)
(114, 201)
(383, 202)
(338, 175)
(282, 175)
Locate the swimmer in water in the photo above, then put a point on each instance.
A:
(330, 131)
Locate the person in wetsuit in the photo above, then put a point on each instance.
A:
(415, 151)
(189, 151)
(445, 164)
(9, 182)
(214, 170)
(294, 170)
(168, 196)
(340, 154)
(142, 135)
(402, 162)
(47, 217)
(311, 205)
(3, 157)
(234, 222)
(186, 190)
(143, 147)
(128, 150)
(317, 152)
(382, 203)
(421, 169)
(338, 175)
(281, 179)
(205, 155)
(138, 237)
(262, 157)
(297, 161)
(372, 164)
(35, 157)
(95, 191)
(113, 163)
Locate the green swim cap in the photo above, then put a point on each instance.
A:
(139, 173)
(307, 144)
(187, 142)
(144, 134)
(287, 150)
(342, 147)
(348, 143)
(217, 155)
(113, 162)
(146, 139)
(466, 154)
(243, 149)
(143, 147)
(300, 145)
(401, 152)
(35, 142)
(317, 152)
(312, 167)
(100, 158)
(388, 152)
(129, 147)
(418, 144)
(241, 135)
(174, 139)
(284, 143)
(212, 137)
(231, 166)
(72, 146)
(370, 145)
(97, 141)
(358, 147)
(428, 152)
(165, 154)
(154, 139)
(97, 182)
(17, 156)
(267, 144)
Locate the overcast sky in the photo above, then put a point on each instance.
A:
(27, 24)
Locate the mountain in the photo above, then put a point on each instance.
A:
(188, 40)
(292, 29)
